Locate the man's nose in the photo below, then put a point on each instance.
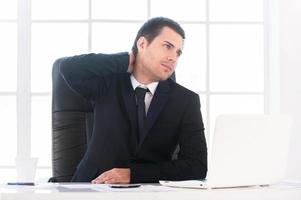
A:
(172, 57)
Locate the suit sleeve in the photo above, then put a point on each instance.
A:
(192, 159)
(87, 74)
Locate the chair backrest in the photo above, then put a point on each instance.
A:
(72, 124)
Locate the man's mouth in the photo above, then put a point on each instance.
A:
(168, 67)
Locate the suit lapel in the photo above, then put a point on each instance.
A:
(157, 104)
(130, 105)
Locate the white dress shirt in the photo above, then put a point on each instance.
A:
(149, 95)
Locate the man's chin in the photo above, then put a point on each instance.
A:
(164, 78)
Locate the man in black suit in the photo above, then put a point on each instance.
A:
(133, 140)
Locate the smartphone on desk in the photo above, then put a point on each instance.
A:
(124, 185)
(21, 183)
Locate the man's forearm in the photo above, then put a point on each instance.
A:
(90, 65)
(170, 170)
(85, 74)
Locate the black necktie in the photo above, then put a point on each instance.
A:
(140, 94)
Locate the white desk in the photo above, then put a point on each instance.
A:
(147, 192)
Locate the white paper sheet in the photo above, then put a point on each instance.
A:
(106, 188)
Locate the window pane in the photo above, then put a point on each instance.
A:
(8, 59)
(8, 175)
(191, 10)
(43, 175)
(234, 104)
(8, 127)
(116, 9)
(60, 9)
(106, 37)
(236, 10)
(51, 41)
(191, 70)
(236, 58)
(41, 130)
(8, 9)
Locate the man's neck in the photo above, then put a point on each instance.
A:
(141, 77)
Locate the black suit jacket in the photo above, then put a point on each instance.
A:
(173, 118)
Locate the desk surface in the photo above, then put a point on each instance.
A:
(147, 192)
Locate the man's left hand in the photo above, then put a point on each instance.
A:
(115, 175)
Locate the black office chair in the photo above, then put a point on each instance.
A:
(72, 123)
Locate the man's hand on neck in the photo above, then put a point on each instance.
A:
(137, 71)
(132, 69)
(131, 62)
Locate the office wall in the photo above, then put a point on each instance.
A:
(290, 75)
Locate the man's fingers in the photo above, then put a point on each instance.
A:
(107, 181)
(99, 181)
(102, 178)
(111, 181)
(115, 175)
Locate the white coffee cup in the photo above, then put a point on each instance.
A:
(26, 169)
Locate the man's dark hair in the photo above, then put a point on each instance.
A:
(153, 27)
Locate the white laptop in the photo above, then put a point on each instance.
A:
(247, 150)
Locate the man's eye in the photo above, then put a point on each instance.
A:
(167, 46)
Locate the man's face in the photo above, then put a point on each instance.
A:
(159, 58)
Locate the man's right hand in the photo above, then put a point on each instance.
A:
(131, 62)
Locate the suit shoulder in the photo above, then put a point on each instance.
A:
(181, 90)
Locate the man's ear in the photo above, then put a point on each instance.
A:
(141, 43)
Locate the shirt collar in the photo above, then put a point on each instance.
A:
(151, 86)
